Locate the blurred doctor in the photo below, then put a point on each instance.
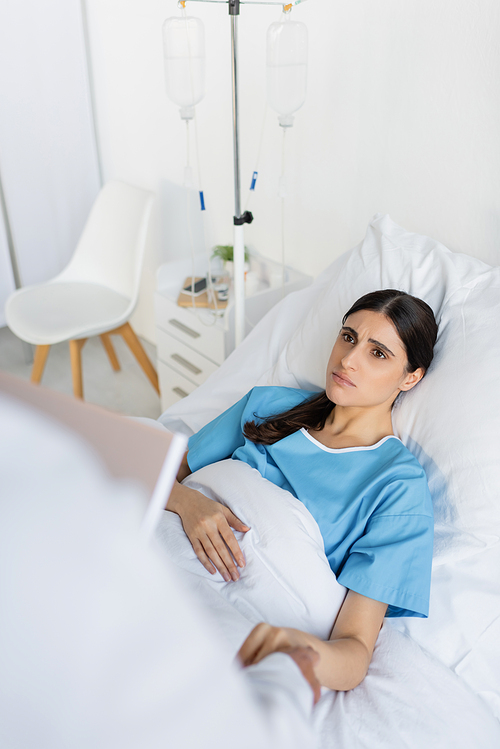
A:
(99, 645)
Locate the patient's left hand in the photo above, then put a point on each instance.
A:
(265, 639)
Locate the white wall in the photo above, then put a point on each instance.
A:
(48, 154)
(7, 285)
(402, 116)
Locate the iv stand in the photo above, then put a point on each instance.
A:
(239, 219)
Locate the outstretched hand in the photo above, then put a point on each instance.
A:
(265, 639)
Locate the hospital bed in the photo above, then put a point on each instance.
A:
(432, 682)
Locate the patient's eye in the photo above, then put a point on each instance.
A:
(378, 354)
(346, 337)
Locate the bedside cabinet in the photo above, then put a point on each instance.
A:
(191, 343)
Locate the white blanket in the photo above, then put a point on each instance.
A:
(408, 699)
(287, 580)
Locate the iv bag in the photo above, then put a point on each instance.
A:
(286, 68)
(184, 60)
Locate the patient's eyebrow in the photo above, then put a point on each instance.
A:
(370, 340)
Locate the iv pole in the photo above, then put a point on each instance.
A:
(239, 219)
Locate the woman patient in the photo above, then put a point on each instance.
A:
(336, 452)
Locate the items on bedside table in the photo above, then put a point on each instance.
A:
(192, 341)
(202, 298)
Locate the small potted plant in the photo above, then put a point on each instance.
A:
(225, 253)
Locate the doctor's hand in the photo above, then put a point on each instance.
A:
(208, 525)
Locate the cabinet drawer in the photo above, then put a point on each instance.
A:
(185, 326)
(173, 386)
(183, 359)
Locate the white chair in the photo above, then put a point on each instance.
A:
(97, 292)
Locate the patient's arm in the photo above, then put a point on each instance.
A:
(184, 469)
(344, 658)
(208, 525)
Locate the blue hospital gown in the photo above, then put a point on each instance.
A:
(372, 504)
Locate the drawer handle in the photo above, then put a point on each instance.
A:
(180, 391)
(184, 328)
(185, 363)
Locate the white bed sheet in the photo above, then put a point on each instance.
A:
(408, 699)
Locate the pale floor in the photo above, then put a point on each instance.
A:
(127, 392)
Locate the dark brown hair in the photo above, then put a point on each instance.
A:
(417, 328)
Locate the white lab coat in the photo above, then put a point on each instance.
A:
(100, 647)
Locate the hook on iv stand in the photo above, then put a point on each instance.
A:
(287, 7)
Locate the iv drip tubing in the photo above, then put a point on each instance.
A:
(188, 172)
(189, 185)
(184, 15)
(196, 309)
(211, 291)
(283, 196)
(188, 160)
(197, 147)
(259, 152)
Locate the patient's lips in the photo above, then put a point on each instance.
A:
(341, 379)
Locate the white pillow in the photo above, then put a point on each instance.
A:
(451, 420)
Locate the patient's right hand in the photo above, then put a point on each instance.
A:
(208, 525)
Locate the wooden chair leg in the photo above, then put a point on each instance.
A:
(106, 342)
(75, 351)
(136, 348)
(39, 360)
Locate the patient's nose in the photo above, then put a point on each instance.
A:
(349, 361)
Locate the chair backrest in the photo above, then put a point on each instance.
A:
(111, 249)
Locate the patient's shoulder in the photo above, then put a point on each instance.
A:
(406, 490)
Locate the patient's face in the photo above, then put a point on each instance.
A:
(367, 366)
